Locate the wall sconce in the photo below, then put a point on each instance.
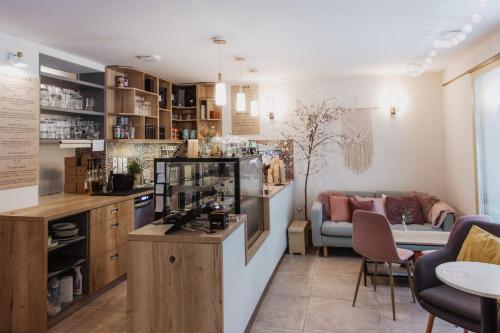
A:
(17, 59)
(394, 102)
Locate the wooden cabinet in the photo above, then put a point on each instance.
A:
(174, 287)
(108, 244)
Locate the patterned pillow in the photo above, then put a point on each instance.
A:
(426, 202)
(396, 207)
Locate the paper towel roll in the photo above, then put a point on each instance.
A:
(66, 289)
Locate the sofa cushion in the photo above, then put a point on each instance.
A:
(339, 209)
(426, 201)
(378, 204)
(324, 199)
(481, 246)
(336, 229)
(356, 204)
(380, 194)
(395, 207)
(453, 300)
(416, 227)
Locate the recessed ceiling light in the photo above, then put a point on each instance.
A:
(148, 58)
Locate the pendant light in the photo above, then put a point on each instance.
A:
(254, 103)
(220, 87)
(241, 101)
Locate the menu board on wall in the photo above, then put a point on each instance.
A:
(242, 122)
(19, 126)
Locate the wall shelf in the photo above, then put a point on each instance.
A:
(79, 83)
(69, 112)
(60, 245)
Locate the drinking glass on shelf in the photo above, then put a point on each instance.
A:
(89, 104)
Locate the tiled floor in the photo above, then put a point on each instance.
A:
(309, 294)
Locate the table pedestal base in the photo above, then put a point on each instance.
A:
(488, 315)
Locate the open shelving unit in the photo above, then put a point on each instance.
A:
(68, 75)
(78, 247)
(176, 106)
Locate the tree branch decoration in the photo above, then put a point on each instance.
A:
(314, 136)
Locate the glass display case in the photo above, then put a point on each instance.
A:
(191, 184)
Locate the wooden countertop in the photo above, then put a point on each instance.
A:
(156, 233)
(59, 205)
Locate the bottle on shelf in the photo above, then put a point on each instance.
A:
(77, 282)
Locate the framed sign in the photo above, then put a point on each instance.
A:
(242, 123)
(19, 126)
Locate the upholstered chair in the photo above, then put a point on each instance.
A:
(440, 300)
(372, 238)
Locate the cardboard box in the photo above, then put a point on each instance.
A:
(70, 161)
(70, 170)
(69, 188)
(81, 171)
(69, 179)
(80, 187)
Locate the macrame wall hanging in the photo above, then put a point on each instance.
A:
(357, 138)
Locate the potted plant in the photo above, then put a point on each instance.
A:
(135, 169)
(313, 136)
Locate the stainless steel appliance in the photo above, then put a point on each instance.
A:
(144, 210)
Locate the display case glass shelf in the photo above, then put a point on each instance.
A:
(187, 184)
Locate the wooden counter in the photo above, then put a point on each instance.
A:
(195, 282)
(156, 233)
(104, 222)
(51, 207)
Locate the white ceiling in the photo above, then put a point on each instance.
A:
(284, 39)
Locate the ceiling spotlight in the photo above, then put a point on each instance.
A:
(476, 18)
(17, 59)
(436, 44)
(148, 58)
(428, 60)
(432, 53)
(467, 28)
(461, 36)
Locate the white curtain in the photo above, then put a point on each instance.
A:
(487, 110)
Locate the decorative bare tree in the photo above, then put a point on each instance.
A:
(314, 135)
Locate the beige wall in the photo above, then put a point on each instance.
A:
(458, 101)
(408, 148)
(459, 145)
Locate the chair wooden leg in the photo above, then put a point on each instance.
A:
(391, 280)
(410, 280)
(325, 251)
(361, 268)
(430, 323)
(365, 271)
(375, 277)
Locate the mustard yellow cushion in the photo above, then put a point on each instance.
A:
(480, 246)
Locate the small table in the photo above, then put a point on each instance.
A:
(421, 238)
(478, 279)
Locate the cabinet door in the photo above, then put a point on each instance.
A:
(103, 237)
(125, 220)
(105, 269)
(104, 213)
(174, 287)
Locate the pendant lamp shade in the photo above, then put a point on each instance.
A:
(220, 93)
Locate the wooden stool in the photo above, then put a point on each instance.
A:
(297, 237)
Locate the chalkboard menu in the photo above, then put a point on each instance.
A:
(19, 126)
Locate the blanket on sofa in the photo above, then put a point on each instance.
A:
(438, 213)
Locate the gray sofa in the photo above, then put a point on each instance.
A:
(326, 233)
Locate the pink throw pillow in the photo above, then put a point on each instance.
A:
(378, 204)
(339, 209)
(361, 205)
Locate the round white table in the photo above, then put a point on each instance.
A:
(479, 279)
